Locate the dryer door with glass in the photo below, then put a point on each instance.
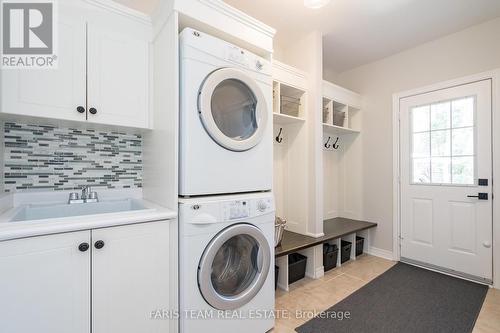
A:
(234, 267)
(233, 109)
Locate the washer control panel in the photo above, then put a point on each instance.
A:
(242, 209)
(236, 210)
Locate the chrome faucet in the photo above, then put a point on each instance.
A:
(87, 196)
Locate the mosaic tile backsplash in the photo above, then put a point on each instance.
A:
(50, 158)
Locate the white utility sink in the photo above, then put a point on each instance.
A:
(41, 212)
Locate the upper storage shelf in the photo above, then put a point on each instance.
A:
(288, 105)
(289, 94)
(340, 110)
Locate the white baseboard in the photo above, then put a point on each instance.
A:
(385, 254)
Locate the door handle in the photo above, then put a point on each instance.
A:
(480, 196)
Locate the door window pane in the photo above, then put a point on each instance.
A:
(441, 143)
(463, 112)
(422, 170)
(441, 170)
(463, 170)
(440, 115)
(421, 145)
(235, 265)
(421, 118)
(234, 109)
(445, 132)
(463, 141)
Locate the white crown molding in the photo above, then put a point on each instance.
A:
(287, 68)
(121, 10)
(240, 16)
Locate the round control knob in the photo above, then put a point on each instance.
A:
(262, 205)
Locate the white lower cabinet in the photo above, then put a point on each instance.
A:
(130, 278)
(100, 281)
(45, 284)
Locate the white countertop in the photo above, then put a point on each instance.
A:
(21, 229)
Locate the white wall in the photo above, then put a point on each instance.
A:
(471, 51)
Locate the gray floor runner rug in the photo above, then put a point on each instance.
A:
(405, 299)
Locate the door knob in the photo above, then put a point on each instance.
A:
(480, 196)
(487, 244)
(80, 109)
(99, 244)
(93, 110)
(83, 247)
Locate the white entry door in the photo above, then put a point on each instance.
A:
(446, 180)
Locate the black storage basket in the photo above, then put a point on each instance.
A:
(345, 252)
(330, 255)
(296, 267)
(359, 245)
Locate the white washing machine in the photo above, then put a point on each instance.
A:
(226, 264)
(225, 118)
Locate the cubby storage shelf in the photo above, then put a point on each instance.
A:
(338, 129)
(333, 229)
(284, 119)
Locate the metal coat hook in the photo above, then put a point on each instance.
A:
(327, 144)
(336, 145)
(279, 139)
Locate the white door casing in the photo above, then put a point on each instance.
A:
(440, 164)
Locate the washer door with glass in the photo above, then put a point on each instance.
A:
(234, 267)
(233, 110)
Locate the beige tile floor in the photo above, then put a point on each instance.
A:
(318, 295)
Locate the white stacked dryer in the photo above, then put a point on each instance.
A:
(225, 118)
(226, 208)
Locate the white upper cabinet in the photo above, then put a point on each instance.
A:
(54, 93)
(118, 78)
(103, 70)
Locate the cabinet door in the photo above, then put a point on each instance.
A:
(52, 93)
(118, 77)
(130, 278)
(45, 284)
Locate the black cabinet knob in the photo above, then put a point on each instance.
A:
(80, 109)
(83, 247)
(93, 110)
(99, 244)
